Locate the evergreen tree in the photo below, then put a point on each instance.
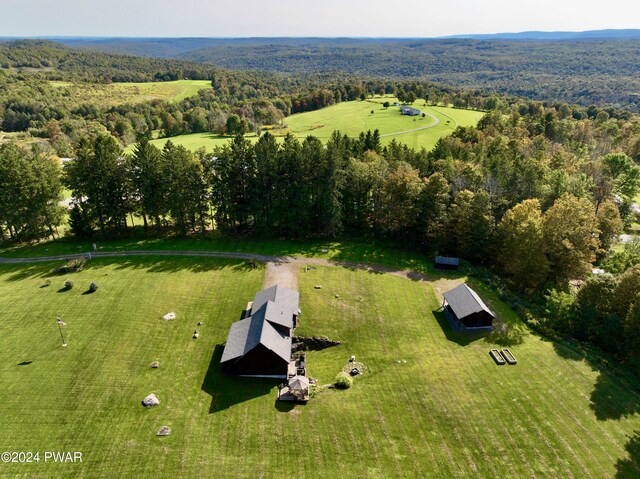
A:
(148, 170)
(30, 192)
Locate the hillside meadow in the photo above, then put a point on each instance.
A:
(114, 94)
(432, 403)
(352, 118)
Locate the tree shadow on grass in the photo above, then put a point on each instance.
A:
(172, 264)
(573, 352)
(613, 398)
(24, 271)
(227, 391)
(629, 468)
(616, 393)
(463, 339)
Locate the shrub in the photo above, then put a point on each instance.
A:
(93, 287)
(68, 284)
(343, 380)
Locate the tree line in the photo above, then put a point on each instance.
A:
(535, 192)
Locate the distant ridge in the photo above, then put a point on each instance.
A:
(538, 35)
(186, 47)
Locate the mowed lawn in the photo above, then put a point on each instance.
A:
(432, 404)
(352, 118)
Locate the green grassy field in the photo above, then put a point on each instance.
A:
(448, 411)
(375, 251)
(170, 90)
(351, 118)
(194, 141)
(355, 116)
(120, 93)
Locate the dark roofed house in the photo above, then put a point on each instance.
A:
(282, 305)
(260, 345)
(467, 310)
(444, 262)
(409, 110)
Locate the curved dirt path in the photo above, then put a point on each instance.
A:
(437, 120)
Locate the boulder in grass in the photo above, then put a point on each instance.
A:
(155, 364)
(151, 401)
(93, 287)
(169, 316)
(164, 431)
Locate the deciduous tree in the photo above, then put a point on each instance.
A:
(571, 238)
(521, 245)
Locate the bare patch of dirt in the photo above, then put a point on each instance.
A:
(284, 273)
(443, 285)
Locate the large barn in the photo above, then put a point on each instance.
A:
(260, 344)
(467, 309)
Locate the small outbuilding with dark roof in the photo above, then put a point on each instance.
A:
(445, 262)
(465, 307)
(260, 345)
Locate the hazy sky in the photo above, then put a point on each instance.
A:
(372, 18)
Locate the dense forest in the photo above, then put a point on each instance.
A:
(586, 72)
(60, 62)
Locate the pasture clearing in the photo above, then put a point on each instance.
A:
(115, 94)
(444, 410)
(352, 118)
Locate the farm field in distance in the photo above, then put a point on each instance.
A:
(355, 116)
(351, 118)
(432, 403)
(119, 93)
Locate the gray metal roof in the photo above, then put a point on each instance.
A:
(276, 314)
(287, 299)
(277, 342)
(244, 335)
(273, 306)
(248, 333)
(447, 260)
(464, 301)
